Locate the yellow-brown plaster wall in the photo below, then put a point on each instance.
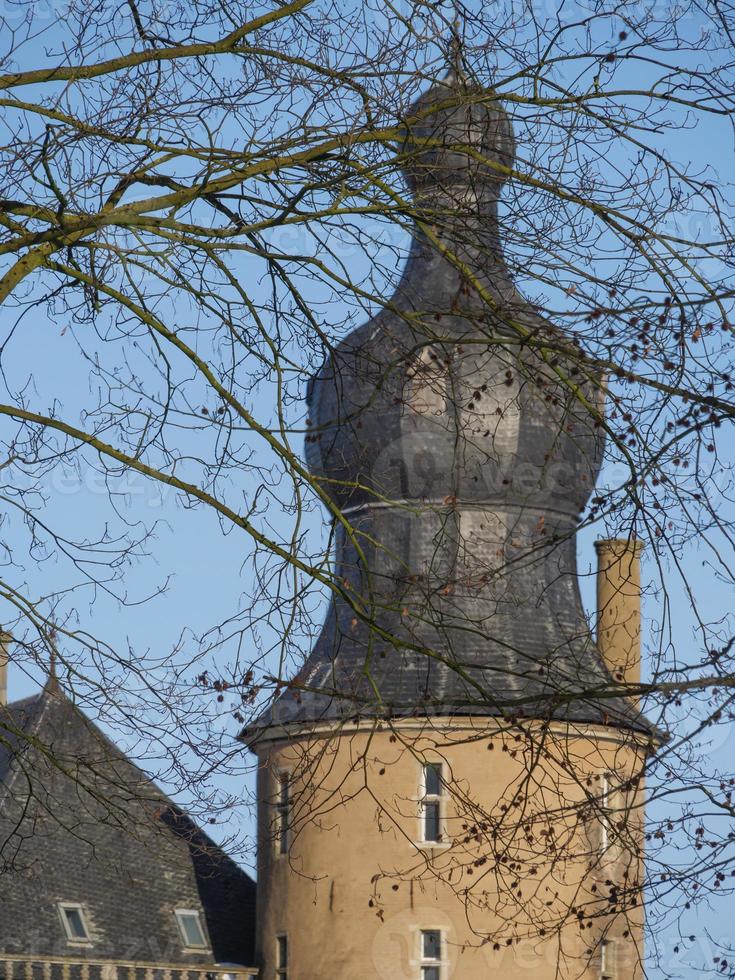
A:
(521, 886)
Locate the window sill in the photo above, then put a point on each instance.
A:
(429, 845)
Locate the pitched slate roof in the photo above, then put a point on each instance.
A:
(80, 823)
(17, 718)
(456, 435)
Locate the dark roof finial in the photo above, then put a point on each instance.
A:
(52, 684)
(456, 45)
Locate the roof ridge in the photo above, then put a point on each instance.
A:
(34, 721)
(111, 815)
(21, 701)
(46, 698)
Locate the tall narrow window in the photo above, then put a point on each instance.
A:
(607, 960)
(75, 925)
(604, 801)
(604, 817)
(283, 807)
(282, 957)
(431, 955)
(432, 802)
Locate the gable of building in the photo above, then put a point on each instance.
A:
(82, 826)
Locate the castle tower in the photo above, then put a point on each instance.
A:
(451, 786)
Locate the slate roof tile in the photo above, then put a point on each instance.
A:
(79, 822)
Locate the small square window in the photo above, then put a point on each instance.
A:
(75, 925)
(191, 930)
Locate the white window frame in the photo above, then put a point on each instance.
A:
(426, 964)
(612, 802)
(437, 799)
(182, 932)
(608, 969)
(281, 810)
(604, 806)
(281, 968)
(85, 940)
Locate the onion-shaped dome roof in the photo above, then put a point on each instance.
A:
(461, 437)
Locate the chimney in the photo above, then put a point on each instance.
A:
(4, 641)
(619, 607)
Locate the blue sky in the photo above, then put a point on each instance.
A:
(207, 574)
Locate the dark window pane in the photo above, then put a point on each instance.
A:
(432, 823)
(283, 804)
(282, 831)
(432, 945)
(191, 928)
(283, 790)
(430, 973)
(282, 952)
(75, 923)
(433, 779)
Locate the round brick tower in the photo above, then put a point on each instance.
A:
(451, 785)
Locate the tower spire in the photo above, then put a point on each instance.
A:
(462, 463)
(459, 461)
